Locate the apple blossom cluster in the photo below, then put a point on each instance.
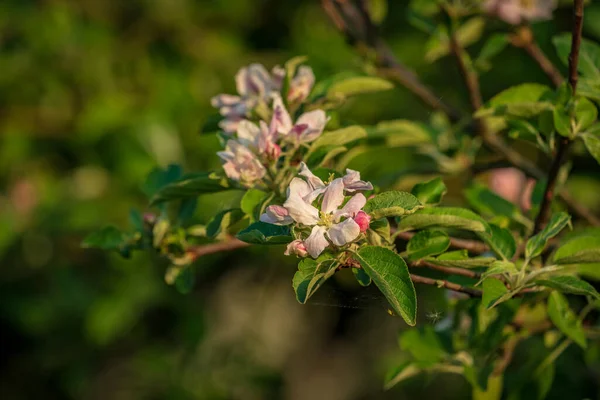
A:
(518, 11)
(252, 150)
(323, 214)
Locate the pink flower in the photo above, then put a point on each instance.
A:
(276, 215)
(240, 164)
(307, 127)
(301, 85)
(296, 247)
(363, 220)
(517, 11)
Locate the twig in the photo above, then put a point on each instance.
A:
(447, 270)
(447, 285)
(353, 20)
(472, 246)
(524, 39)
(210, 248)
(565, 143)
(471, 80)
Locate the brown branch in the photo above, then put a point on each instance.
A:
(447, 270)
(210, 248)
(524, 39)
(447, 285)
(473, 246)
(565, 143)
(352, 19)
(471, 80)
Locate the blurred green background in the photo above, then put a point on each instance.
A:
(96, 93)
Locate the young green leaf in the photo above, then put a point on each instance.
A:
(579, 250)
(324, 154)
(358, 85)
(589, 55)
(400, 373)
(500, 240)
(447, 217)
(500, 268)
(252, 203)
(311, 275)
(390, 273)
(223, 220)
(361, 276)
(339, 137)
(392, 204)
(525, 100)
(592, 143)
(474, 262)
(430, 192)
(565, 319)
(569, 284)
(402, 133)
(492, 47)
(482, 199)
(493, 290)
(185, 280)
(537, 243)
(586, 114)
(468, 33)
(426, 243)
(107, 238)
(263, 233)
(191, 186)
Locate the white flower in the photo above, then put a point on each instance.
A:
(254, 84)
(517, 11)
(307, 127)
(240, 164)
(260, 140)
(301, 85)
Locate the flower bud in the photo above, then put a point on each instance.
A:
(362, 219)
(149, 219)
(274, 151)
(296, 247)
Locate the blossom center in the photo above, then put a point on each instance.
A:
(325, 219)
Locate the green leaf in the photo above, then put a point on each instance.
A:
(589, 88)
(339, 137)
(425, 346)
(361, 276)
(400, 373)
(592, 143)
(565, 319)
(492, 47)
(501, 241)
(525, 100)
(158, 178)
(445, 261)
(430, 192)
(401, 133)
(311, 275)
(537, 243)
(569, 284)
(191, 186)
(586, 114)
(223, 220)
(324, 154)
(184, 283)
(358, 85)
(562, 121)
(107, 238)
(468, 33)
(252, 203)
(493, 290)
(426, 243)
(579, 250)
(544, 380)
(392, 204)
(487, 202)
(377, 10)
(500, 268)
(264, 233)
(390, 273)
(447, 217)
(589, 55)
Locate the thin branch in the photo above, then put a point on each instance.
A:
(524, 39)
(210, 248)
(447, 285)
(473, 246)
(353, 20)
(471, 80)
(565, 143)
(447, 270)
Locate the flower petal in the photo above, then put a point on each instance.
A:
(301, 211)
(316, 242)
(281, 121)
(299, 187)
(333, 197)
(248, 133)
(276, 215)
(314, 181)
(344, 232)
(353, 183)
(315, 123)
(353, 206)
(296, 247)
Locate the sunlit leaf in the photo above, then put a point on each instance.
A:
(392, 204)
(565, 319)
(430, 192)
(537, 243)
(426, 243)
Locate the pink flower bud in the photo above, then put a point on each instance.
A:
(296, 247)
(362, 219)
(149, 218)
(274, 151)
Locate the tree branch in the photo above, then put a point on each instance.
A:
(210, 248)
(565, 143)
(447, 270)
(524, 39)
(447, 285)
